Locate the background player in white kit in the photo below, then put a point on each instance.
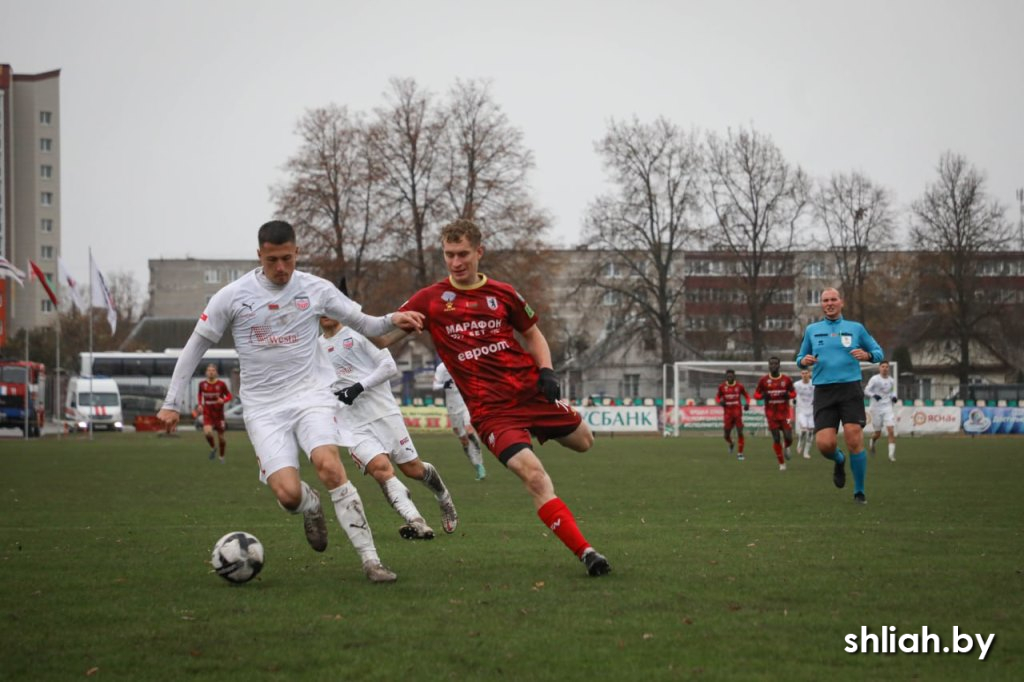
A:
(881, 390)
(804, 413)
(458, 415)
(376, 428)
(273, 313)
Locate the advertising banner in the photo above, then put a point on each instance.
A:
(992, 420)
(693, 417)
(426, 419)
(620, 418)
(923, 420)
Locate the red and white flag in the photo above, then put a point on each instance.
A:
(33, 270)
(7, 269)
(101, 297)
(71, 285)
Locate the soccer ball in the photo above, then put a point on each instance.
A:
(238, 557)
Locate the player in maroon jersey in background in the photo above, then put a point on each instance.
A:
(777, 390)
(511, 390)
(728, 396)
(213, 396)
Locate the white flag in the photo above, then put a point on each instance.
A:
(7, 269)
(69, 284)
(101, 297)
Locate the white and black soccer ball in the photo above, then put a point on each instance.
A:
(238, 557)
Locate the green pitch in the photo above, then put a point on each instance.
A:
(721, 570)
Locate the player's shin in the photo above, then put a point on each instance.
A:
(562, 523)
(349, 509)
(433, 481)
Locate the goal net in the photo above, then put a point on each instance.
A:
(690, 389)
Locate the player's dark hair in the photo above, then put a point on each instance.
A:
(883, 362)
(730, 371)
(276, 232)
(462, 229)
(775, 358)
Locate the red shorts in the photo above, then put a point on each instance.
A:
(515, 426)
(214, 418)
(733, 419)
(777, 422)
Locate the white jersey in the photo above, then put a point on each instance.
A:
(275, 330)
(884, 388)
(804, 397)
(452, 398)
(353, 358)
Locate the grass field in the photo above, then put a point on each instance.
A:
(721, 570)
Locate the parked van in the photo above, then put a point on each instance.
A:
(95, 399)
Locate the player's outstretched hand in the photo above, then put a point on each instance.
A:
(349, 394)
(746, 407)
(409, 320)
(548, 384)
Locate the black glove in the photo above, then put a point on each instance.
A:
(548, 384)
(746, 407)
(448, 384)
(349, 394)
(895, 400)
(876, 396)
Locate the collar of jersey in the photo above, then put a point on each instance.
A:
(482, 281)
(835, 321)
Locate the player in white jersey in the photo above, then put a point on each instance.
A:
(881, 390)
(458, 415)
(804, 413)
(273, 314)
(375, 426)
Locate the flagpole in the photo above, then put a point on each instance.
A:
(28, 368)
(92, 398)
(57, 410)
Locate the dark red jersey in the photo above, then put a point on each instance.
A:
(472, 329)
(210, 392)
(728, 396)
(776, 393)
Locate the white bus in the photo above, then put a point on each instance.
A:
(149, 372)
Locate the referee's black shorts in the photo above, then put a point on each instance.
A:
(835, 403)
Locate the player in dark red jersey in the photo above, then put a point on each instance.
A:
(511, 390)
(777, 390)
(729, 397)
(213, 396)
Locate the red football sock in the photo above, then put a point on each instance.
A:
(223, 447)
(777, 447)
(209, 439)
(741, 444)
(560, 520)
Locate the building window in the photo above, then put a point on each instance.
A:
(45, 144)
(46, 198)
(46, 305)
(46, 252)
(46, 118)
(211, 276)
(813, 296)
(631, 386)
(234, 274)
(610, 271)
(610, 298)
(46, 224)
(815, 269)
(46, 172)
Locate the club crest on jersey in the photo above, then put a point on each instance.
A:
(492, 303)
(449, 300)
(302, 302)
(347, 343)
(847, 340)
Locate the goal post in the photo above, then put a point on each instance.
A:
(694, 383)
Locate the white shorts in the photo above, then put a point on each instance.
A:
(386, 435)
(277, 436)
(459, 419)
(805, 420)
(880, 418)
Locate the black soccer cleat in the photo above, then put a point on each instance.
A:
(839, 474)
(859, 498)
(596, 563)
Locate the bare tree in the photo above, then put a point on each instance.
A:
(645, 224)
(486, 168)
(858, 220)
(757, 199)
(956, 224)
(330, 194)
(406, 139)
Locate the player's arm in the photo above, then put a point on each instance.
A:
(537, 346)
(189, 359)
(792, 389)
(439, 378)
(388, 339)
(225, 393)
(868, 349)
(804, 357)
(759, 390)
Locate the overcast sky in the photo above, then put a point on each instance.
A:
(177, 116)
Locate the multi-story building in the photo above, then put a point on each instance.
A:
(30, 195)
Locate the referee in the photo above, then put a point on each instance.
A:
(834, 348)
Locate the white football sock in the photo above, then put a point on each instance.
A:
(349, 508)
(475, 456)
(433, 481)
(306, 503)
(892, 450)
(399, 498)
